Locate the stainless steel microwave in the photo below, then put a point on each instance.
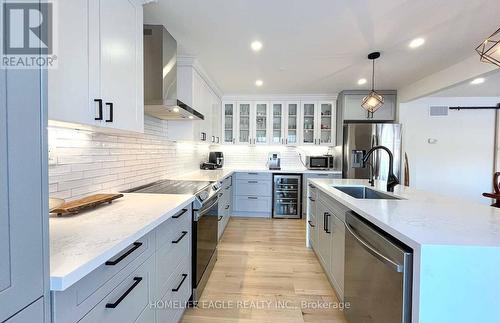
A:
(320, 162)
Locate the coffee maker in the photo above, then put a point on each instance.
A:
(274, 161)
(217, 158)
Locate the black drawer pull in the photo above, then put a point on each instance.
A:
(228, 187)
(253, 173)
(327, 222)
(253, 198)
(136, 246)
(181, 237)
(253, 182)
(220, 218)
(137, 280)
(221, 194)
(184, 276)
(311, 199)
(227, 207)
(310, 223)
(311, 186)
(178, 215)
(99, 113)
(110, 105)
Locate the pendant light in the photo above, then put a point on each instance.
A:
(489, 50)
(373, 101)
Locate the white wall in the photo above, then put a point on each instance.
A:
(89, 162)
(460, 163)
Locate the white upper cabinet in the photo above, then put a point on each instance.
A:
(279, 122)
(99, 79)
(244, 123)
(193, 90)
(229, 122)
(291, 123)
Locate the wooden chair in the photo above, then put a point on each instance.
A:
(496, 194)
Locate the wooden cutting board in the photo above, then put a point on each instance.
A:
(92, 201)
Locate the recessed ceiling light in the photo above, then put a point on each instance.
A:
(256, 46)
(259, 83)
(417, 42)
(362, 81)
(176, 109)
(191, 117)
(479, 80)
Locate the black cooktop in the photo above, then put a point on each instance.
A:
(172, 187)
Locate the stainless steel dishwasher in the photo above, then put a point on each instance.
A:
(378, 275)
(287, 194)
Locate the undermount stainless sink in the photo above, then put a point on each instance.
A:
(362, 192)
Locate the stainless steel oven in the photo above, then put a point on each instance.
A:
(205, 238)
(326, 162)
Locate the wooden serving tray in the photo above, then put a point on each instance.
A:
(92, 201)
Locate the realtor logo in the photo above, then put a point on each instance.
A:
(28, 34)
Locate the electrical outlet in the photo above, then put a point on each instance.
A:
(52, 157)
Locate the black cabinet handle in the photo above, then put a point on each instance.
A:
(184, 276)
(178, 215)
(181, 237)
(228, 187)
(220, 218)
(136, 246)
(310, 223)
(227, 207)
(110, 105)
(253, 173)
(253, 198)
(311, 199)
(99, 113)
(253, 182)
(327, 221)
(137, 280)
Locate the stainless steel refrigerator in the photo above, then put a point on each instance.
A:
(358, 138)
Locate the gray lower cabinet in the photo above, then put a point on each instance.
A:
(225, 204)
(145, 283)
(329, 232)
(312, 219)
(24, 278)
(307, 176)
(253, 194)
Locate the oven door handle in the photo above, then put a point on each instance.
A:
(202, 211)
(395, 266)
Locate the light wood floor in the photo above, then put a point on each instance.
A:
(264, 273)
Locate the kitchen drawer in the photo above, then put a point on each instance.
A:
(258, 204)
(127, 302)
(174, 302)
(323, 175)
(172, 228)
(168, 257)
(73, 303)
(253, 188)
(254, 176)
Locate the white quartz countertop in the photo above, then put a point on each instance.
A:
(83, 242)
(422, 218)
(220, 174)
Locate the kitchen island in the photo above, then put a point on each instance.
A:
(455, 243)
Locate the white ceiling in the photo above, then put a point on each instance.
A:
(490, 88)
(320, 46)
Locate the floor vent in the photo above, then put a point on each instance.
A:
(438, 111)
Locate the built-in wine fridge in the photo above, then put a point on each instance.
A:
(287, 195)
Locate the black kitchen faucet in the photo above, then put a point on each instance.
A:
(392, 180)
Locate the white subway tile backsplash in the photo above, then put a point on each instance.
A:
(93, 162)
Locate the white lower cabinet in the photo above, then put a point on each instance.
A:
(147, 282)
(327, 237)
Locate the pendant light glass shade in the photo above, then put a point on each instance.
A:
(373, 101)
(489, 50)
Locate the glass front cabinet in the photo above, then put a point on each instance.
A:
(279, 123)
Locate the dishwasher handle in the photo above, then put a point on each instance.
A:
(395, 266)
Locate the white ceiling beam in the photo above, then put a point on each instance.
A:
(448, 77)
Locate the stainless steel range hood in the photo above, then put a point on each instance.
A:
(160, 77)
